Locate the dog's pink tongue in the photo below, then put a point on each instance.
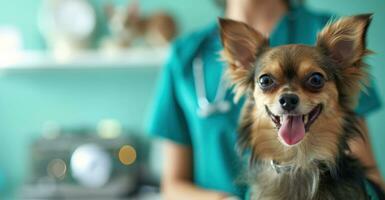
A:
(292, 129)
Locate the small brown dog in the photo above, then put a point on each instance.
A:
(299, 111)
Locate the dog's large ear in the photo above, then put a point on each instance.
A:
(241, 44)
(345, 40)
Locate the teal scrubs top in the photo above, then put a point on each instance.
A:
(216, 163)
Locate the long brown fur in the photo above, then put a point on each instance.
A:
(318, 162)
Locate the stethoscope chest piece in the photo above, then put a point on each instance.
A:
(209, 109)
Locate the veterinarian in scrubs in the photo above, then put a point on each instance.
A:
(194, 110)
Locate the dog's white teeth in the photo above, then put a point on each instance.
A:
(305, 119)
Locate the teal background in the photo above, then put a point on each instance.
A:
(71, 97)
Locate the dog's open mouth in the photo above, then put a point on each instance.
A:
(292, 128)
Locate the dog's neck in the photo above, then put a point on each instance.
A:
(287, 179)
(279, 180)
(280, 168)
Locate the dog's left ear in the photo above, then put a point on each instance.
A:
(345, 40)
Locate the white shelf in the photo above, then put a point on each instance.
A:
(130, 58)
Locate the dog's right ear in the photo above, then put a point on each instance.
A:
(241, 43)
(241, 46)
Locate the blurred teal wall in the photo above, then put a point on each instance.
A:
(83, 97)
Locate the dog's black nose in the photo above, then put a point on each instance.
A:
(289, 101)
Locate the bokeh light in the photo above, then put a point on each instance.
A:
(127, 155)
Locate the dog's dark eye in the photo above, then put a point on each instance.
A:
(315, 81)
(265, 81)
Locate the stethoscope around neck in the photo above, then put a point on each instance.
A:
(206, 108)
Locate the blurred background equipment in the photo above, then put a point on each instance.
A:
(91, 165)
(81, 164)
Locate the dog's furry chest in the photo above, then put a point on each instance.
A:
(309, 184)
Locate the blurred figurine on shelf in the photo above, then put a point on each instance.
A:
(129, 28)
